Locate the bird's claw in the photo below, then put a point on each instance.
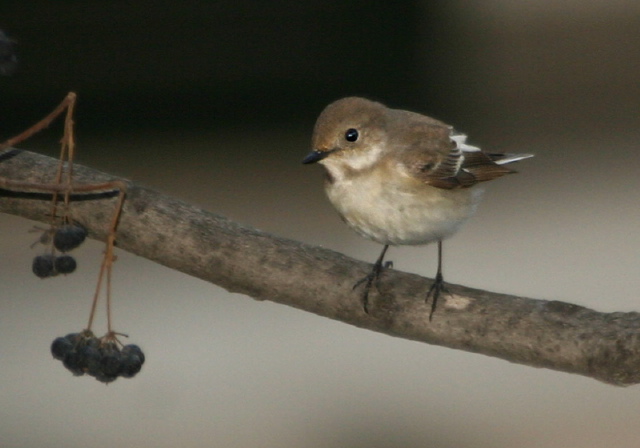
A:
(368, 280)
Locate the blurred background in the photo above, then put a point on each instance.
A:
(214, 102)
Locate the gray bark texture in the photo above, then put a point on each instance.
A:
(538, 333)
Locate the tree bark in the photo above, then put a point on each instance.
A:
(538, 333)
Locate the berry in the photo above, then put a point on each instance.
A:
(131, 365)
(65, 264)
(68, 237)
(93, 341)
(90, 359)
(60, 347)
(133, 349)
(110, 364)
(132, 360)
(111, 361)
(43, 266)
(73, 361)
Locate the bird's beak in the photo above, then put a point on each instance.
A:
(315, 156)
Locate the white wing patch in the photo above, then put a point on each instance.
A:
(461, 142)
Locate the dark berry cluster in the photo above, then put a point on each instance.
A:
(65, 238)
(101, 358)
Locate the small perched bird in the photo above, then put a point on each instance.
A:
(400, 178)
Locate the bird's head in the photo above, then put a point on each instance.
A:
(349, 135)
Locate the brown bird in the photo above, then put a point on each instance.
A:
(400, 178)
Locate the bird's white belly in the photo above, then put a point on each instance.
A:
(391, 215)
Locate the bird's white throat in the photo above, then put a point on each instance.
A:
(353, 160)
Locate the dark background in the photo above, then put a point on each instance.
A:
(214, 102)
(214, 63)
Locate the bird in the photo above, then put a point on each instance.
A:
(400, 178)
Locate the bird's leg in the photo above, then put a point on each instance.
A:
(438, 285)
(374, 275)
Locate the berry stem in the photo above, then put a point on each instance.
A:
(42, 124)
(68, 143)
(96, 295)
(109, 258)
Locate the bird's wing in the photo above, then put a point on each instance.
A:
(449, 162)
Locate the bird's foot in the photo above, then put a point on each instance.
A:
(369, 279)
(437, 287)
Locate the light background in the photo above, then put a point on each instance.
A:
(214, 103)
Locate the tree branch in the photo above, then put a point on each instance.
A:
(539, 333)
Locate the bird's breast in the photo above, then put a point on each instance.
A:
(396, 210)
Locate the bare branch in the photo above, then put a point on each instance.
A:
(539, 333)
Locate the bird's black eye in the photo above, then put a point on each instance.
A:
(351, 135)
